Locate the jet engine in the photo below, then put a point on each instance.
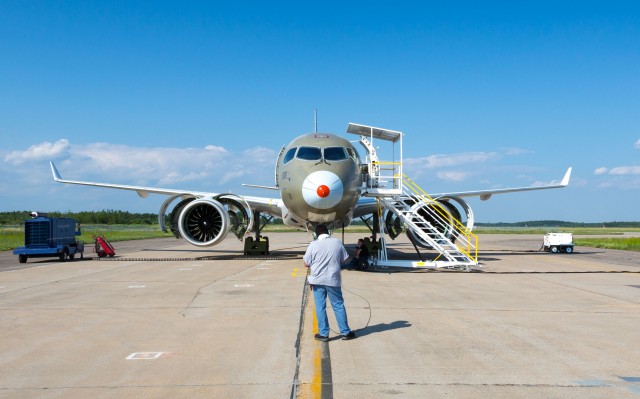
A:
(206, 221)
(447, 208)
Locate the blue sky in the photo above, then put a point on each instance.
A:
(202, 96)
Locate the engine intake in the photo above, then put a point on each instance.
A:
(203, 222)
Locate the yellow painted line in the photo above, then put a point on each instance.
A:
(314, 388)
(316, 383)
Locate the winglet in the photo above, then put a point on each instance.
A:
(54, 171)
(565, 179)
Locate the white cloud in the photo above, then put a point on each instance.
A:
(618, 171)
(198, 169)
(442, 161)
(517, 151)
(146, 162)
(601, 171)
(625, 170)
(215, 148)
(631, 182)
(539, 183)
(260, 154)
(37, 152)
(621, 177)
(452, 176)
(232, 176)
(448, 166)
(173, 178)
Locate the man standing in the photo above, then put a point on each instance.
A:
(324, 257)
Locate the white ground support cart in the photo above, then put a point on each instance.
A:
(558, 242)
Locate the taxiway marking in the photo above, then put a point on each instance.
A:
(321, 384)
(146, 355)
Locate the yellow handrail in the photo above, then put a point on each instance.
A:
(462, 229)
(386, 163)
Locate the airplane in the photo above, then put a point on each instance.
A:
(321, 179)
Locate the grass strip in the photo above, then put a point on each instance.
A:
(13, 237)
(626, 244)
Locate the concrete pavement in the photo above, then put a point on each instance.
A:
(529, 324)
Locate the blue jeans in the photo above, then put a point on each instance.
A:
(320, 293)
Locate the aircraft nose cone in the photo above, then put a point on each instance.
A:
(323, 191)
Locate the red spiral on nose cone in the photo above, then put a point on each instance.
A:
(323, 191)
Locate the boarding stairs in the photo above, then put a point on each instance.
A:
(425, 217)
(430, 221)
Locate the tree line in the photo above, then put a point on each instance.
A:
(86, 217)
(123, 217)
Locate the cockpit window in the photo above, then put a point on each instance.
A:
(309, 153)
(289, 155)
(353, 155)
(334, 154)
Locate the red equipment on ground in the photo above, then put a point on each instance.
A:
(104, 247)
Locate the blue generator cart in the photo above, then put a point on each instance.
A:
(48, 237)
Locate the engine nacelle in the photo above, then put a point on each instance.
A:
(207, 221)
(240, 214)
(445, 225)
(202, 222)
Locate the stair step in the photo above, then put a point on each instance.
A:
(424, 229)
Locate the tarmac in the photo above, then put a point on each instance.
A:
(164, 319)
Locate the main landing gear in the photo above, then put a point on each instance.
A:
(258, 245)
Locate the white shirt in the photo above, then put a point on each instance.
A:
(324, 257)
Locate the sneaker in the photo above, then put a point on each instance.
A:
(349, 336)
(322, 338)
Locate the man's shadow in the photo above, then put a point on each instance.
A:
(380, 327)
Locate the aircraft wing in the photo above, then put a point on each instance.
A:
(368, 205)
(269, 205)
(486, 194)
